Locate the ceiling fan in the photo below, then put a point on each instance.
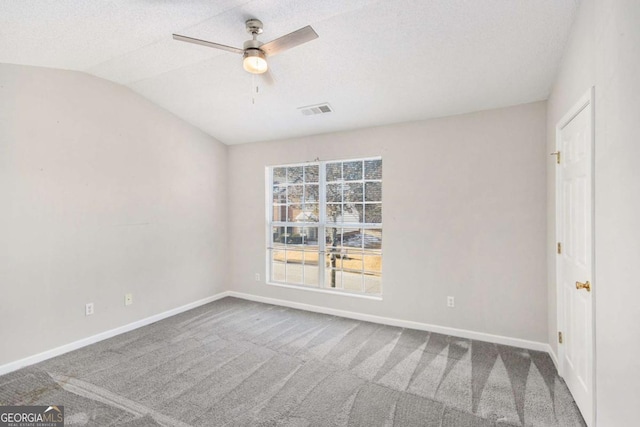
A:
(255, 52)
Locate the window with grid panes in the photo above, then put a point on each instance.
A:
(325, 225)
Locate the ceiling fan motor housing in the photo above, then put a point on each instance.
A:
(254, 26)
(252, 44)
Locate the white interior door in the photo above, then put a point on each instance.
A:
(574, 219)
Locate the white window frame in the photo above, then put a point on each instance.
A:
(321, 225)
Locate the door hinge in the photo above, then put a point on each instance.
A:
(559, 247)
(557, 154)
(560, 337)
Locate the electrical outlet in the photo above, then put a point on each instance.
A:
(128, 299)
(88, 309)
(257, 277)
(450, 302)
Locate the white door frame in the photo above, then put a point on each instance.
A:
(586, 101)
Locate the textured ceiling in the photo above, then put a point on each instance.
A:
(375, 62)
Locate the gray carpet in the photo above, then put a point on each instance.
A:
(240, 363)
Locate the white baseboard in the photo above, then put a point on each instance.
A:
(553, 356)
(462, 333)
(13, 366)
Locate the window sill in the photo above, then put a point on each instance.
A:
(326, 291)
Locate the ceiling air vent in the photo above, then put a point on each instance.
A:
(312, 110)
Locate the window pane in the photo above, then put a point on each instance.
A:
(279, 213)
(311, 173)
(294, 256)
(294, 193)
(308, 237)
(353, 192)
(278, 266)
(352, 213)
(352, 281)
(304, 213)
(334, 171)
(293, 236)
(311, 194)
(373, 213)
(373, 169)
(373, 192)
(372, 284)
(353, 238)
(311, 256)
(310, 213)
(279, 194)
(367, 239)
(333, 258)
(292, 212)
(373, 263)
(372, 238)
(352, 260)
(294, 267)
(287, 236)
(333, 278)
(294, 175)
(333, 238)
(311, 273)
(352, 171)
(279, 175)
(358, 209)
(334, 213)
(279, 235)
(334, 193)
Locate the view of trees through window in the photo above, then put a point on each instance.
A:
(325, 225)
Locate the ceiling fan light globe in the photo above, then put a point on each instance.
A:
(255, 62)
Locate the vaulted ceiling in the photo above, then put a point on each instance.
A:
(375, 62)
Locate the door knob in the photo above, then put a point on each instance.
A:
(587, 286)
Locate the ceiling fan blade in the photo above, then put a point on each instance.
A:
(267, 78)
(208, 44)
(290, 40)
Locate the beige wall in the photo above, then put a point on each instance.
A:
(605, 53)
(464, 215)
(617, 210)
(101, 193)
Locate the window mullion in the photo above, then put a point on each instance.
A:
(322, 210)
(269, 220)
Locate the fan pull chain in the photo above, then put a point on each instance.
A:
(257, 89)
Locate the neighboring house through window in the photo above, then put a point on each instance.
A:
(325, 225)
